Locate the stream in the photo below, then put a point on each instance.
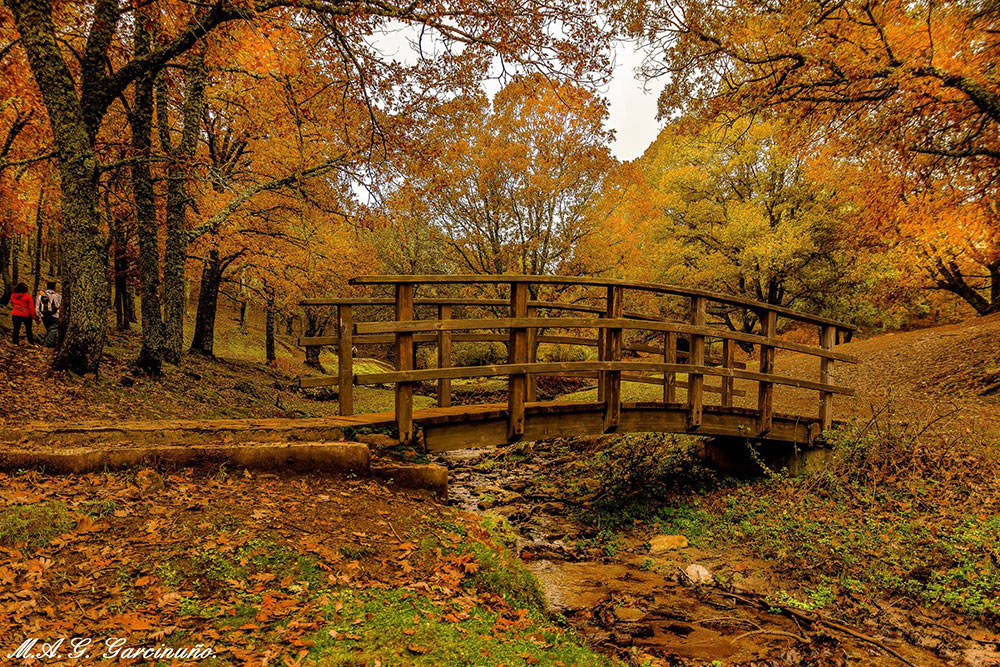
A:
(654, 599)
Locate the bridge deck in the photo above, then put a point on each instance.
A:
(443, 428)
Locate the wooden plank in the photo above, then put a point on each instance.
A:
(613, 353)
(571, 367)
(345, 361)
(765, 388)
(482, 303)
(444, 357)
(828, 338)
(670, 357)
(658, 288)
(532, 356)
(404, 364)
(728, 361)
(517, 354)
(596, 323)
(696, 380)
(602, 355)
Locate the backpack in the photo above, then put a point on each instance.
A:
(45, 306)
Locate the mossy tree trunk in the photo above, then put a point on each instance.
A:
(178, 168)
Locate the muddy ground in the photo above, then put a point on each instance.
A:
(654, 599)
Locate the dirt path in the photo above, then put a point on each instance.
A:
(951, 371)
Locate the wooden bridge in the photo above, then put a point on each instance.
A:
(678, 352)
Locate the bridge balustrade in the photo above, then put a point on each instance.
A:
(524, 328)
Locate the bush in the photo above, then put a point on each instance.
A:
(560, 352)
(640, 466)
(478, 354)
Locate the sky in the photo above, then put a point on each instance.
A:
(632, 102)
(632, 105)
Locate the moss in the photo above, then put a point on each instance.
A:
(398, 626)
(33, 525)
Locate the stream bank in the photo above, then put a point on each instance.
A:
(650, 598)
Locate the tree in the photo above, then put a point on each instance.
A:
(735, 211)
(908, 88)
(78, 91)
(515, 183)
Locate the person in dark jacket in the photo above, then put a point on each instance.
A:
(22, 313)
(48, 306)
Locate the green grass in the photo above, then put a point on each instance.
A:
(631, 392)
(33, 525)
(398, 626)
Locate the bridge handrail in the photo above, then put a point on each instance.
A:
(660, 288)
(524, 326)
(420, 326)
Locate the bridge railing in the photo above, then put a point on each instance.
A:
(525, 332)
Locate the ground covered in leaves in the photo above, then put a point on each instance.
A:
(266, 569)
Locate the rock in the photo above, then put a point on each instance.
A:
(377, 440)
(698, 574)
(245, 387)
(635, 629)
(662, 544)
(553, 507)
(149, 480)
(629, 614)
(517, 485)
(415, 476)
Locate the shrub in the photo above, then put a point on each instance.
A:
(560, 352)
(478, 354)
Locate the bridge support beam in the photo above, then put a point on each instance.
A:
(743, 457)
(404, 362)
(345, 360)
(696, 357)
(517, 384)
(612, 380)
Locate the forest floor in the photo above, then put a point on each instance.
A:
(891, 550)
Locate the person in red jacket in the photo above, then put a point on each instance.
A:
(22, 313)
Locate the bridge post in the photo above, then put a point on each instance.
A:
(602, 355)
(532, 357)
(670, 357)
(444, 357)
(696, 357)
(517, 384)
(828, 338)
(404, 362)
(345, 360)
(765, 390)
(728, 359)
(613, 352)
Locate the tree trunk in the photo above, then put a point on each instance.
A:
(243, 314)
(5, 268)
(314, 326)
(176, 249)
(150, 358)
(122, 297)
(269, 330)
(39, 223)
(208, 301)
(289, 325)
(950, 279)
(15, 259)
(85, 292)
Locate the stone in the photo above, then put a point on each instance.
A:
(377, 440)
(662, 544)
(149, 480)
(698, 574)
(428, 476)
(629, 614)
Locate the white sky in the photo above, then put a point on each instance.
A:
(632, 106)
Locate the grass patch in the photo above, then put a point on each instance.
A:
(33, 525)
(397, 626)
